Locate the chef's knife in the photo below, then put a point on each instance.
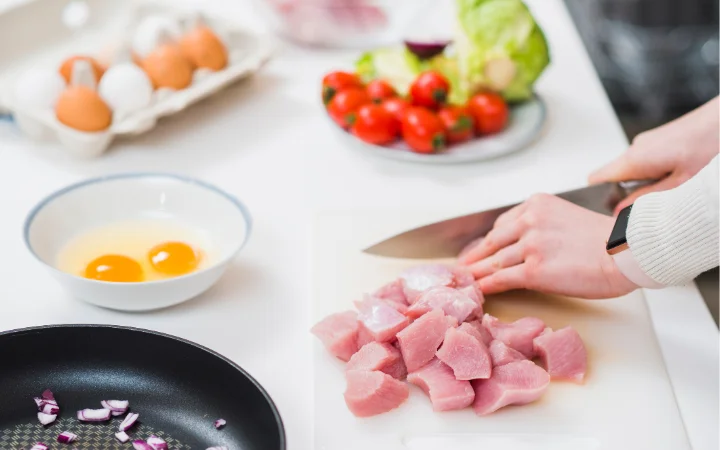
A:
(445, 239)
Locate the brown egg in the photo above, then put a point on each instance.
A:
(67, 67)
(168, 67)
(204, 48)
(82, 108)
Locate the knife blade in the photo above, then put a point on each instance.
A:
(445, 239)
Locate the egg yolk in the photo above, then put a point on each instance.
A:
(173, 258)
(117, 268)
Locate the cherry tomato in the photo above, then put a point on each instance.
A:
(489, 111)
(375, 125)
(430, 89)
(458, 123)
(379, 90)
(423, 130)
(344, 105)
(396, 106)
(335, 82)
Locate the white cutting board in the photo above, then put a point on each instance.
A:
(626, 403)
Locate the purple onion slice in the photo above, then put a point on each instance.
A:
(93, 415)
(426, 49)
(220, 423)
(117, 413)
(39, 446)
(116, 405)
(122, 437)
(48, 395)
(46, 419)
(39, 402)
(156, 443)
(141, 445)
(218, 448)
(129, 421)
(50, 409)
(66, 437)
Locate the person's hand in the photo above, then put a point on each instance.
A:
(550, 245)
(671, 154)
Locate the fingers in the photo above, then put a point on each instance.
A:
(506, 257)
(662, 185)
(504, 280)
(619, 169)
(496, 239)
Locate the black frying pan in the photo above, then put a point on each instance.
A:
(179, 388)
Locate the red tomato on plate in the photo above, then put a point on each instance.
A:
(430, 89)
(379, 90)
(344, 105)
(373, 124)
(335, 82)
(423, 130)
(458, 123)
(490, 112)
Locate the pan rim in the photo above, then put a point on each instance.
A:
(258, 386)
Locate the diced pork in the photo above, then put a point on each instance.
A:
(379, 356)
(372, 393)
(563, 354)
(452, 301)
(421, 339)
(463, 277)
(518, 335)
(339, 334)
(417, 280)
(451, 321)
(515, 383)
(363, 337)
(382, 321)
(501, 354)
(467, 356)
(438, 381)
(394, 294)
(477, 296)
(471, 330)
(482, 331)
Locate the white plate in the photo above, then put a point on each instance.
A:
(526, 123)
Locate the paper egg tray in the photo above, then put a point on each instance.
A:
(34, 36)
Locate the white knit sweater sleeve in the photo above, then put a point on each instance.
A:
(673, 235)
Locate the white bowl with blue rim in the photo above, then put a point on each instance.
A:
(103, 201)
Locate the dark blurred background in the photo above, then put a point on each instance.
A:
(657, 59)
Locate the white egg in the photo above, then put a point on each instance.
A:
(39, 88)
(126, 88)
(151, 31)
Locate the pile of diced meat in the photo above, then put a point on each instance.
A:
(428, 327)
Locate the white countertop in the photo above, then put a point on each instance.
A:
(267, 142)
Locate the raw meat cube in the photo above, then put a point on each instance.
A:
(438, 381)
(518, 335)
(484, 333)
(372, 393)
(501, 354)
(370, 299)
(563, 354)
(382, 321)
(364, 337)
(417, 280)
(465, 355)
(515, 383)
(452, 301)
(451, 321)
(471, 330)
(477, 296)
(421, 339)
(338, 333)
(379, 356)
(393, 292)
(463, 277)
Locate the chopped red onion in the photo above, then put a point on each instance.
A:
(220, 423)
(141, 445)
(48, 395)
(156, 443)
(426, 49)
(218, 448)
(122, 437)
(93, 415)
(66, 437)
(117, 413)
(39, 446)
(50, 409)
(39, 402)
(129, 421)
(46, 419)
(116, 405)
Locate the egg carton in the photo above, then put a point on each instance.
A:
(44, 34)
